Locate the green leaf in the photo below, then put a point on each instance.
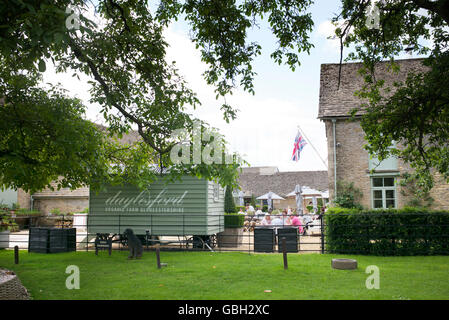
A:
(42, 66)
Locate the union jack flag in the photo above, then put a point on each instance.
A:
(299, 144)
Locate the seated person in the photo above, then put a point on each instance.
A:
(297, 223)
(258, 215)
(277, 221)
(241, 211)
(266, 221)
(307, 218)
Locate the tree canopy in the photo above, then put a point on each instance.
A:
(124, 57)
(43, 135)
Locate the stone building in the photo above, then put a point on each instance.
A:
(348, 160)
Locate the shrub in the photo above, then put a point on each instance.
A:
(233, 220)
(237, 208)
(348, 196)
(58, 212)
(6, 223)
(404, 232)
(55, 212)
(26, 212)
(265, 208)
(410, 188)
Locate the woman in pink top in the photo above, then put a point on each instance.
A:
(297, 223)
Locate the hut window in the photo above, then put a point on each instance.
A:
(216, 192)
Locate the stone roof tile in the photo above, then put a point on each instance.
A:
(339, 102)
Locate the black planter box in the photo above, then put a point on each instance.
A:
(264, 239)
(51, 240)
(291, 238)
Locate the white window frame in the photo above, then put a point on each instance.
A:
(390, 163)
(384, 189)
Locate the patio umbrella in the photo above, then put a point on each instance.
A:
(270, 201)
(315, 204)
(241, 194)
(298, 193)
(270, 196)
(274, 196)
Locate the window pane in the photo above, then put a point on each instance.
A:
(378, 194)
(378, 204)
(389, 182)
(390, 203)
(377, 182)
(389, 194)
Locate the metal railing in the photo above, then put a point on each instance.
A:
(178, 232)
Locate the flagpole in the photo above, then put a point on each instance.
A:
(302, 133)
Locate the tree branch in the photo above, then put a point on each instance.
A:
(140, 124)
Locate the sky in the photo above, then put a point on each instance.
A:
(267, 122)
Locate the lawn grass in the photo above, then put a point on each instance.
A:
(224, 276)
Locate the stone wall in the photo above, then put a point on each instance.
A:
(23, 199)
(64, 199)
(64, 204)
(440, 193)
(352, 159)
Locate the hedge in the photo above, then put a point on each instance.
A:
(391, 232)
(234, 220)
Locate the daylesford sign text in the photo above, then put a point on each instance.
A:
(145, 201)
